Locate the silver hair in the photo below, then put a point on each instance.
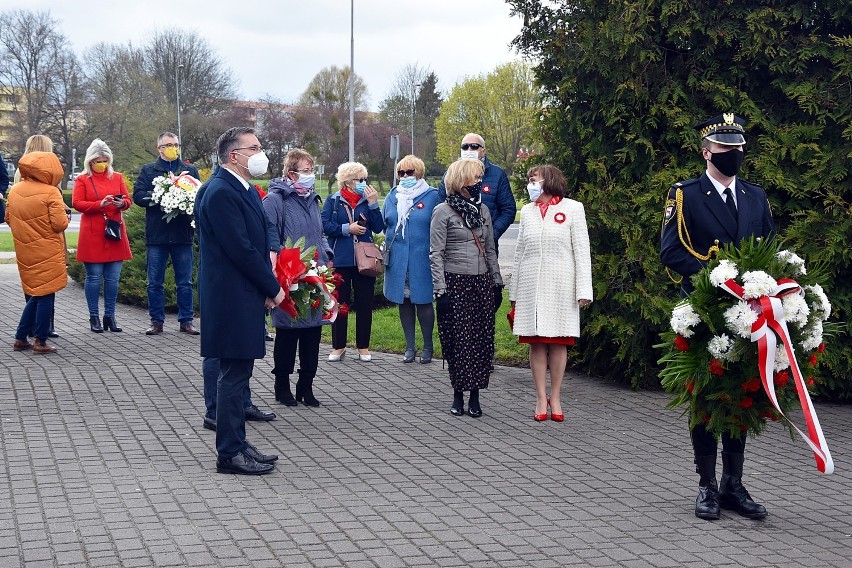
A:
(97, 149)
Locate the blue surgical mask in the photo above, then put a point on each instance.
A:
(408, 182)
(360, 187)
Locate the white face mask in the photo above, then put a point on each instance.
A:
(306, 181)
(470, 154)
(534, 190)
(258, 164)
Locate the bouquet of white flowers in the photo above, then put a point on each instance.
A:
(175, 194)
(745, 346)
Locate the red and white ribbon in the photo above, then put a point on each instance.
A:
(770, 321)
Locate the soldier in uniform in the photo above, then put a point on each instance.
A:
(700, 216)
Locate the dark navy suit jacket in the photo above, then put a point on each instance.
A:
(707, 220)
(234, 274)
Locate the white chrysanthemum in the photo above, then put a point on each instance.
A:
(720, 346)
(796, 310)
(781, 360)
(813, 336)
(683, 319)
(794, 259)
(739, 318)
(726, 270)
(821, 307)
(757, 283)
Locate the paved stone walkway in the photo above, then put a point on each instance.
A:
(103, 462)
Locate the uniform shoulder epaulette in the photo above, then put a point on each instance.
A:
(685, 183)
(750, 185)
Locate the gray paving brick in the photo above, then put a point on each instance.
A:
(105, 463)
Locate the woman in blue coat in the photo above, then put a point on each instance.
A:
(352, 213)
(407, 213)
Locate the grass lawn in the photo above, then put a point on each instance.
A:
(8, 245)
(387, 335)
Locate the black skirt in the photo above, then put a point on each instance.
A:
(467, 330)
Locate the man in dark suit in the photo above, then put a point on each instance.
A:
(236, 286)
(700, 216)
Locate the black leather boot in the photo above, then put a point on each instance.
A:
(305, 391)
(110, 324)
(732, 494)
(282, 391)
(707, 502)
(95, 323)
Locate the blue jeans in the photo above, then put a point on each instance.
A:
(234, 376)
(210, 368)
(37, 312)
(158, 257)
(110, 272)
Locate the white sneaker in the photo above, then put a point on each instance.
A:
(335, 357)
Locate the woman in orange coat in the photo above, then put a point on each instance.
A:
(100, 194)
(36, 214)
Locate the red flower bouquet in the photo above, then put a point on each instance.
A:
(309, 286)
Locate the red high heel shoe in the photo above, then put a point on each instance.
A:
(542, 417)
(556, 417)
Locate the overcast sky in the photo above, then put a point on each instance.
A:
(276, 47)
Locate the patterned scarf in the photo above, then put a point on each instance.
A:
(469, 211)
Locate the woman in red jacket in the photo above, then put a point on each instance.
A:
(100, 194)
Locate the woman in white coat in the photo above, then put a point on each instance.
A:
(551, 281)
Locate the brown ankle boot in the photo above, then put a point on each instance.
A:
(40, 346)
(22, 345)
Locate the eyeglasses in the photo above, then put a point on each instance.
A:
(253, 148)
(306, 171)
(403, 173)
(169, 146)
(362, 180)
(471, 146)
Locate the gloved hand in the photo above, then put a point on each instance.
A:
(498, 297)
(442, 305)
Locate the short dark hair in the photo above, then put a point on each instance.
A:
(552, 180)
(229, 140)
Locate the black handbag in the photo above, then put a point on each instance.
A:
(113, 229)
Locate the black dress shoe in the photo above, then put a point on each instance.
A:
(474, 412)
(110, 324)
(408, 356)
(209, 424)
(95, 324)
(243, 464)
(254, 454)
(426, 356)
(254, 414)
(269, 337)
(457, 411)
(52, 334)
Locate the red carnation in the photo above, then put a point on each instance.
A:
(337, 279)
(716, 367)
(344, 310)
(821, 347)
(813, 360)
(751, 385)
(690, 386)
(781, 378)
(680, 343)
(811, 382)
(316, 303)
(746, 402)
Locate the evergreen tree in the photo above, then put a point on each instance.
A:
(625, 81)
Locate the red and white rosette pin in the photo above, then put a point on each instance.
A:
(770, 321)
(559, 217)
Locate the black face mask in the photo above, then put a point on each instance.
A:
(728, 162)
(474, 190)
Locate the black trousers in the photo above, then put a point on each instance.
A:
(704, 443)
(364, 288)
(284, 353)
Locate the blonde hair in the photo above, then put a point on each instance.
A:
(461, 173)
(348, 171)
(97, 149)
(38, 143)
(412, 162)
(35, 143)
